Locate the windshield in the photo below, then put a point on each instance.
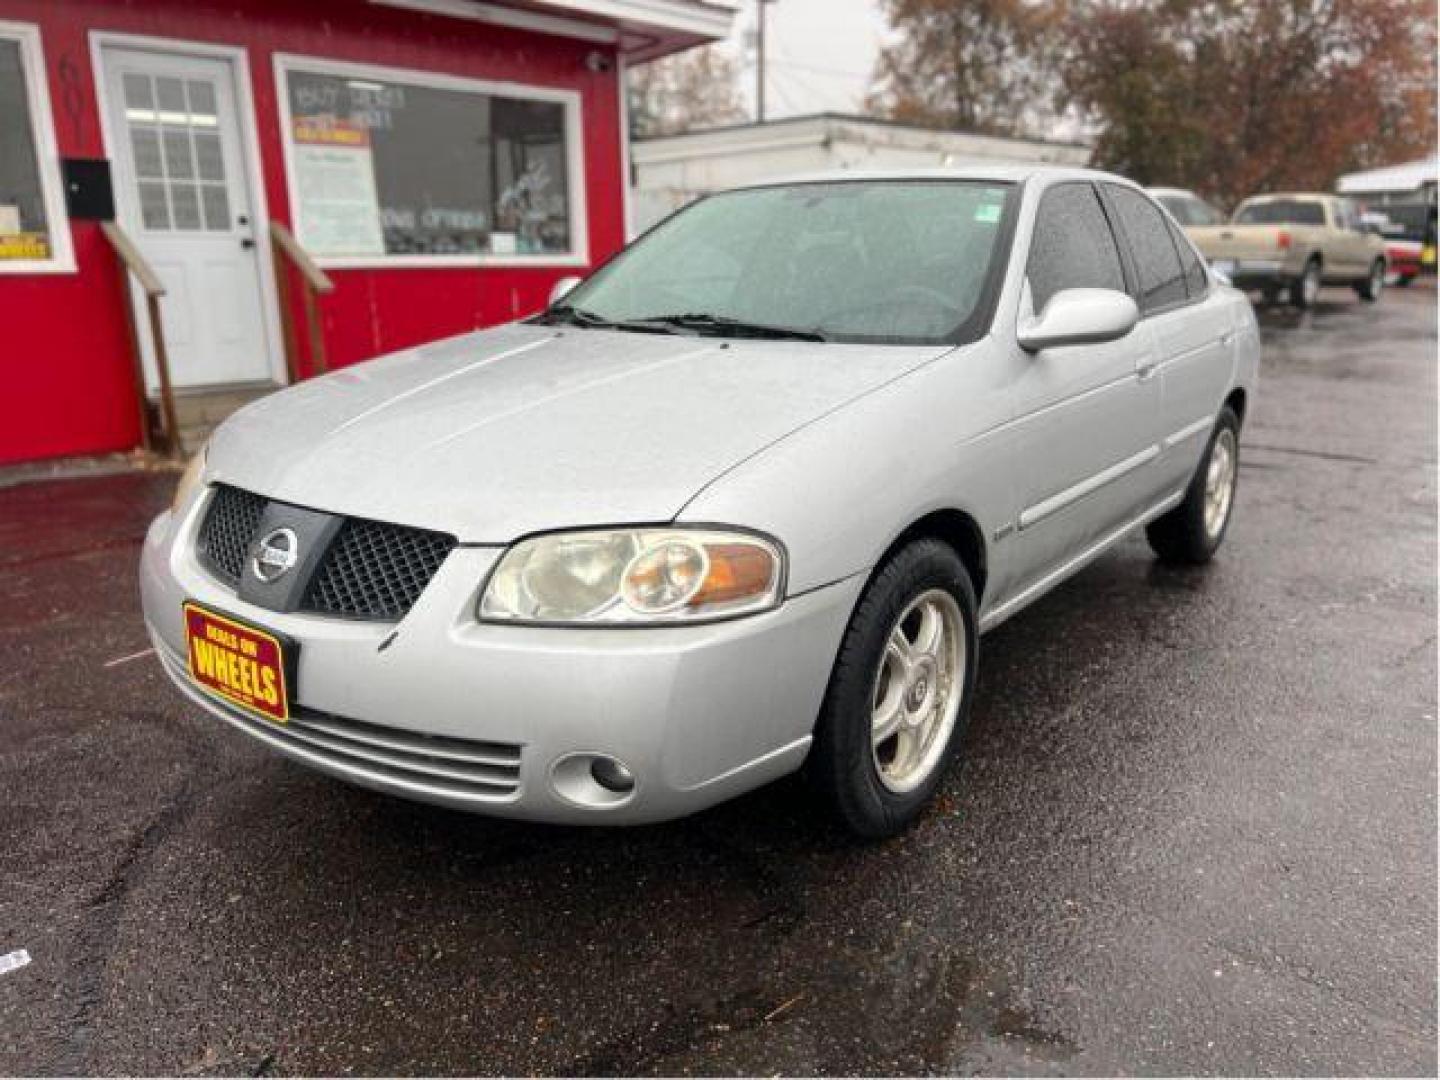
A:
(1281, 212)
(902, 262)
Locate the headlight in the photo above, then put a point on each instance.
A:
(629, 576)
(190, 480)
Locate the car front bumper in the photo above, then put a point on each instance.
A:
(442, 708)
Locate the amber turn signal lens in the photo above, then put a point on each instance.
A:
(737, 571)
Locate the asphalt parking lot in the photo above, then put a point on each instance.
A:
(1193, 830)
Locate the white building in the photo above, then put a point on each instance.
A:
(671, 171)
(1413, 182)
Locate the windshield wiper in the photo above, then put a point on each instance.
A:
(570, 315)
(704, 322)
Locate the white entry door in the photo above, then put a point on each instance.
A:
(182, 191)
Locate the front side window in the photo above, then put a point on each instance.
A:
(897, 262)
(1162, 281)
(387, 166)
(33, 233)
(1073, 247)
(1281, 212)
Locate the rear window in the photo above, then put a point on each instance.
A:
(1196, 280)
(1281, 212)
(1162, 281)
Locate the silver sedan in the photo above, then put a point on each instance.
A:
(740, 504)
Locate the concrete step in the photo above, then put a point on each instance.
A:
(199, 412)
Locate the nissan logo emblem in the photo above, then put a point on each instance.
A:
(275, 555)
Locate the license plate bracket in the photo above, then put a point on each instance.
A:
(243, 664)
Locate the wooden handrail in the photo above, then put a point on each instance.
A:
(133, 260)
(317, 283)
(134, 263)
(316, 278)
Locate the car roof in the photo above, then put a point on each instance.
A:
(1292, 196)
(1184, 193)
(1000, 173)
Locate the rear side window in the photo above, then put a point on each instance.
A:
(1073, 246)
(1281, 212)
(1196, 281)
(1162, 281)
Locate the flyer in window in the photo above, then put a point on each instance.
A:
(335, 185)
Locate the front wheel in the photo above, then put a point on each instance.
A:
(900, 691)
(1371, 287)
(1192, 532)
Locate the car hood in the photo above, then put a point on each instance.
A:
(524, 428)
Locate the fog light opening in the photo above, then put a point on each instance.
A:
(593, 780)
(612, 775)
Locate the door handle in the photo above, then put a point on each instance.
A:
(246, 243)
(1146, 370)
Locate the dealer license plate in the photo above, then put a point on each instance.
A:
(240, 663)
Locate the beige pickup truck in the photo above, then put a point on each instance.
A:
(1296, 242)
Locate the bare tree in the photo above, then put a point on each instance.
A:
(695, 89)
(976, 65)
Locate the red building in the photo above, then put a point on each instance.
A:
(443, 161)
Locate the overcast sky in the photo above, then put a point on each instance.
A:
(820, 53)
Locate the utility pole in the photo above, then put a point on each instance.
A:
(760, 59)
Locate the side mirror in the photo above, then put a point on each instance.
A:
(1079, 317)
(562, 288)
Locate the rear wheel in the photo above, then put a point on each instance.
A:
(1192, 532)
(1372, 286)
(900, 692)
(1305, 290)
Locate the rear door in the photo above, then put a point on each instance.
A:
(1084, 413)
(1193, 336)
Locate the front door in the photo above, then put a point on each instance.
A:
(183, 194)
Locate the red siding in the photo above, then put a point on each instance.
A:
(64, 352)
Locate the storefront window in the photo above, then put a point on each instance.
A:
(388, 167)
(33, 235)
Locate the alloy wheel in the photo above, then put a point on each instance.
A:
(917, 692)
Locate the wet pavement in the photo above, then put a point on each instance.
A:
(1193, 829)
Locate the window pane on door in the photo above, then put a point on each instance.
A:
(154, 207)
(175, 141)
(1162, 281)
(1073, 247)
(24, 231)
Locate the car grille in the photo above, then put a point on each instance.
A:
(463, 769)
(371, 570)
(229, 527)
(376, 571)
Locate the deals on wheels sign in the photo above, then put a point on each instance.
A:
(240, 663)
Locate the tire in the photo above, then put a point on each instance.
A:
(1271, 295)
(878, 790)
(1305, 289)
(1193, 531)
(1404, 280)
(1371, 288)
